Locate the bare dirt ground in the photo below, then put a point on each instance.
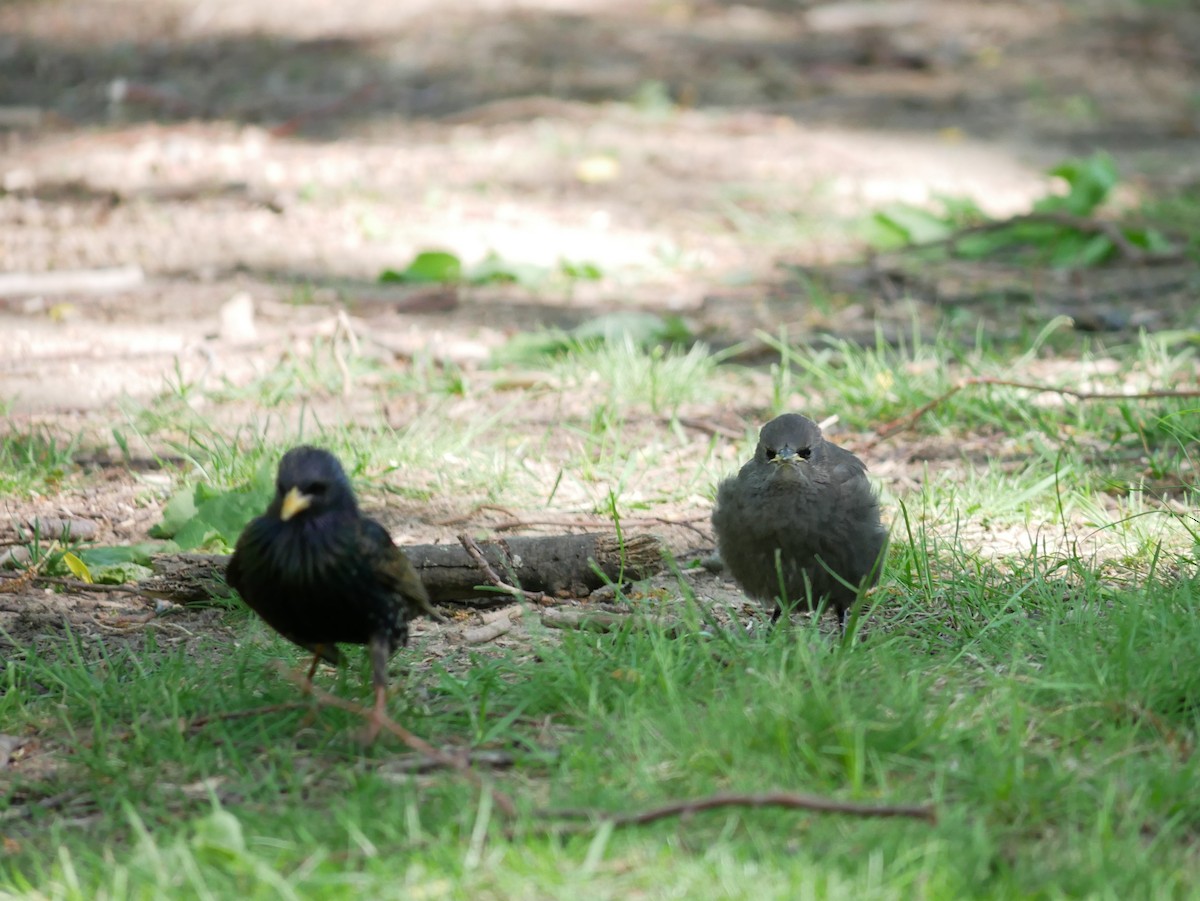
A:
(282, 155)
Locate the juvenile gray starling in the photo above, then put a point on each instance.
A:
(800, 522)
(319, 572)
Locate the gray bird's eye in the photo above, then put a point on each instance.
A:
(772, 453)
(804, 453)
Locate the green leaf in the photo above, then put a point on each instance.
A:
(961, 211)
(122, 573)
(1089, 182)
(642, 329)
(176, 513)
(583, 271)
(77, 567)
(428, 267)
(103, 556)
(1150, 239)
(494, 269)
(1076, 249)
(218, 836)
(984, 244)
(1096, 251)
(919, 226)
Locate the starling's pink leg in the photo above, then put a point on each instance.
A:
(380, 651)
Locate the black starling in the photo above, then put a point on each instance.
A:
(319, 572)
(800, 522)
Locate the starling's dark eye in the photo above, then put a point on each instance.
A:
(314, 489)
(804, 453)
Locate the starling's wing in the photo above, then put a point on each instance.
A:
(393, 568)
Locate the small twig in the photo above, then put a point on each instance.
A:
(788, 800)
(10, 584)
(488, 631)
(419, 763)
(910, 419)
(53, 802)
(601, 620)
(71, 281)
(471, 546)
(204, 719)
(708, 427)
(79, 585)
(32, 572)
(343, 327)
(1182, 746)
(418, 744)
(294, 124)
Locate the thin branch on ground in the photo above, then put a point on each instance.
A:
(603, 620)
(496, 760)
(708, 427)
(80, 585)
(910, 419)
(502, 801)
(787, 800)
(471, 546)
(198, 722)
(1182, 746)
(359, 95)
(53, 802)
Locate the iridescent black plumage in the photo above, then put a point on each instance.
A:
(319, 572)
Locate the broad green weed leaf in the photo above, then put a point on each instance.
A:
(177, 512)
(429, 267)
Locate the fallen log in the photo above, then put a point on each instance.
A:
(556, 565)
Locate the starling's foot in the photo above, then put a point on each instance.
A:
(377, 719)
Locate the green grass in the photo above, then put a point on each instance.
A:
(1045, 723)
(34, 459)
(1028, 664)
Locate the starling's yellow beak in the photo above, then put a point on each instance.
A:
(293, 502)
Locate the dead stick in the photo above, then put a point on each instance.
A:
(418, 744)
(471, 546)
(295, 123)
(71, 281)
(909, 420)
(80, 585)
(204, 719)
(787, 800)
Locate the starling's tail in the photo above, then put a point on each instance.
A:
(426, 607)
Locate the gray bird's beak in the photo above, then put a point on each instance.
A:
(787, 454)
(293, 502)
